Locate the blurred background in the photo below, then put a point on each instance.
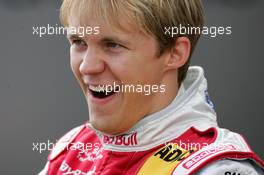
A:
(40, 99)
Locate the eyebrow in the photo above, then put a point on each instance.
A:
(103, 39)
(114, 39)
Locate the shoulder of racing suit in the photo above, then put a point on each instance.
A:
(65, 141)
(229, 154)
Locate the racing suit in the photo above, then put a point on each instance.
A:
(181, 139)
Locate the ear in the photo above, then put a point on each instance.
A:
(179, 54)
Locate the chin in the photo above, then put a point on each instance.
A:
(106, 129)
(105, 126)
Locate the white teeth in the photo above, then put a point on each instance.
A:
(97, 88)
(101, 88)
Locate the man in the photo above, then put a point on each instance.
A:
(149, 112)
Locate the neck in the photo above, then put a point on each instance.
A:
(162, 99)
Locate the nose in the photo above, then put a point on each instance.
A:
(92, 63)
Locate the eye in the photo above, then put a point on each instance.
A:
(113, 45)
(78, 42)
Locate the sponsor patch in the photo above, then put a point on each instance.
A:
(208, 153)
(165, 160)
(124, 140)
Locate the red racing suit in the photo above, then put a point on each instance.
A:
(181, 139)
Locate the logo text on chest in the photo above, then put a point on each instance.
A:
(126, 140)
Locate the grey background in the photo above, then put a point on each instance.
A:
(40, 99)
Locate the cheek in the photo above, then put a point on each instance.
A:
(120, 67)
(147, 70)
(75, 61)
(74, 65)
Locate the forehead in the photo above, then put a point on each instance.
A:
(91, 25)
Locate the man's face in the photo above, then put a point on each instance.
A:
(121, 57)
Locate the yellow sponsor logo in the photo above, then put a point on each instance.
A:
(165, 160)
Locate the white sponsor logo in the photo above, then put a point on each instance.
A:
(207, 153)
(88, 155)
(67, 170)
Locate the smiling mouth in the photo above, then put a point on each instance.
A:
(102, 92)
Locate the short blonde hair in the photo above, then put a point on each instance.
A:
(151, 16)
